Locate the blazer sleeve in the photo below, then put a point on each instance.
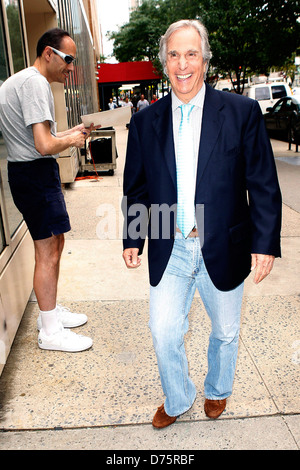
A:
(135, 203)
(264, 194)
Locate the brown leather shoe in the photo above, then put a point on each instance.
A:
(161, 419)
(214, 408)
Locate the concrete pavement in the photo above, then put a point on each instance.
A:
(105, 398)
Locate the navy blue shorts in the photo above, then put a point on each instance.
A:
(36, 191)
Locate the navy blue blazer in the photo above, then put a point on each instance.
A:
(237, 195)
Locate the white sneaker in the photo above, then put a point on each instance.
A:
(66, 317)
(64, 340)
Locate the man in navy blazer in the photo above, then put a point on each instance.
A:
(237, 217)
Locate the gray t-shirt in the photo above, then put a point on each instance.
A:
(142, 104)
(25, 98)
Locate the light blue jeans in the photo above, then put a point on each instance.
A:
(170, 303)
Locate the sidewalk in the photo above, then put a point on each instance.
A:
(105, 398)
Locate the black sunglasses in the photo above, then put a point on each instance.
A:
(67, 58)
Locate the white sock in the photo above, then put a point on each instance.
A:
(50, 322)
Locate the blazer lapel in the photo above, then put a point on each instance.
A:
(163, 126)
(212, 122)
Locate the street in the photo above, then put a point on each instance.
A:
(288, 168)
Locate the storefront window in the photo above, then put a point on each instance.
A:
(13, 215)
(15, 35)
(81, 84)
(2, 237)
(3, 76)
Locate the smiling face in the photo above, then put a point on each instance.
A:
(185, 65)
(58, 69)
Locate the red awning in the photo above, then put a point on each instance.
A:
(127, 72)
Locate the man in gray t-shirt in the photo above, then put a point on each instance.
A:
(27, 122)
(143, 103)
(26, 99)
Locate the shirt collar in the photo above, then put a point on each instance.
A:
(197, 100)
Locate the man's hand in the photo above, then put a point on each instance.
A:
(78, 139)
(263, 265)
(48, 144)
(85, 130)
(80, 134)
(130, 256)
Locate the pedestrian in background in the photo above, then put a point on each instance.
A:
(112, 104)
(128, 103)
(142, 103)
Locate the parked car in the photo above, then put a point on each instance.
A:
(283, 119)
(268, 93)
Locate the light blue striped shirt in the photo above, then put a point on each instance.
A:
(195, 119)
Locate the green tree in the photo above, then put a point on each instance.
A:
(250, 35)
(246, 36)
(139, 38)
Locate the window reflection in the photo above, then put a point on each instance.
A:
(3, 76)
(15, 35)
(13, 215)
(80, 85)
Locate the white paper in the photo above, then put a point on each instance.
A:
(111, 118)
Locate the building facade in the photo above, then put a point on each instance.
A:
(22, 22)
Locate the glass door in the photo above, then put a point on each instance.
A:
(8, 211)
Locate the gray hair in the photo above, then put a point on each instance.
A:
(199, 27)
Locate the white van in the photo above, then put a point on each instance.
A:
(268, 93)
